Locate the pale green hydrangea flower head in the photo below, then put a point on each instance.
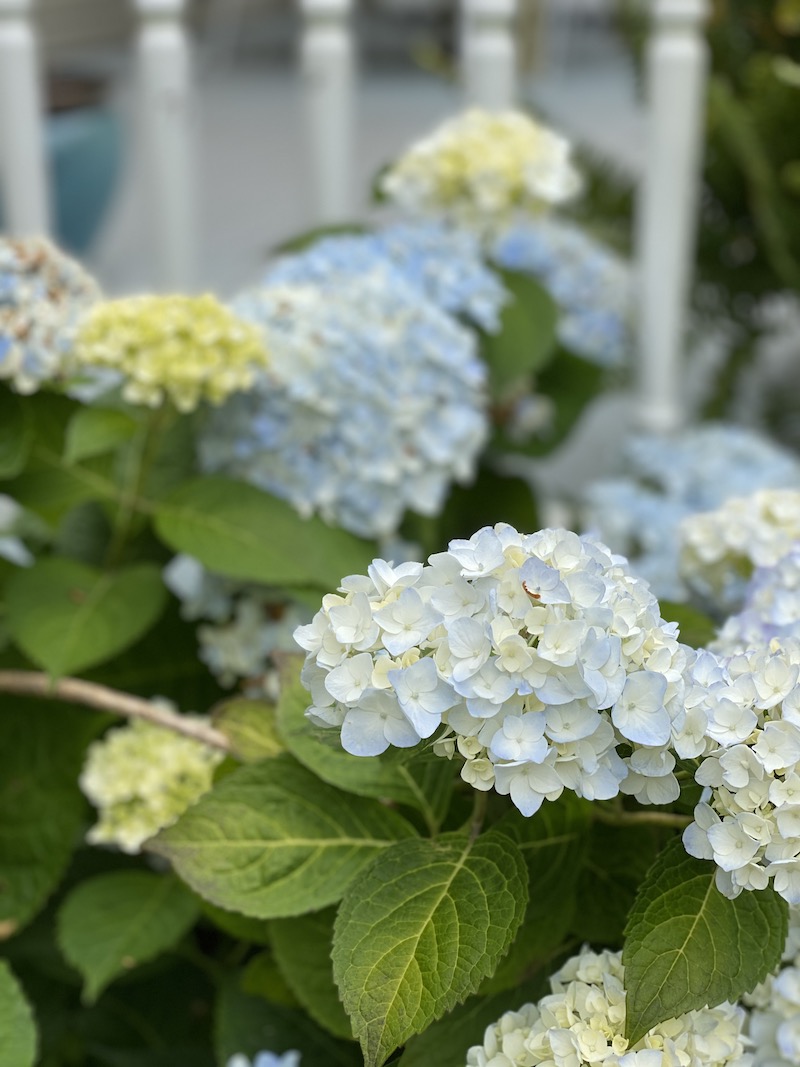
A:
(186, 349)
(141, 778)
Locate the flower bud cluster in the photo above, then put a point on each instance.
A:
(43, 295)
(179, 348)
(774, 1008)
(142, 777)
(748, 820)
(592, 286)
(538, 658)
(445, 265)
(374, 402)
(479, 168)
(720, 549)
(771, 609)
(243, 624)
(582, 1022)
(672, 479)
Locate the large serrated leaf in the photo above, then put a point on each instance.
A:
(94, 431)
(111, 923)
(67, 616)
(249, 725)
(687, 946)
(16, 434)
(423, 782)
(241, 532)
(41, 806)
(302, 948)
(17, 1029)
(271, 840)
(420, 928)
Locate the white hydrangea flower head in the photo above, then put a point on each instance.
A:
(720, 549)
(142, 777)
(185, 349)
(43, 296)
(771, 609)
(267, 1059)
(773, 1023)
(748, 820)
(375, 402)
(669, 479)
(582, 1022)
(481, 167)
(537, 657)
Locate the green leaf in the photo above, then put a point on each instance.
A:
(111, 923)
(553, 847)
(446, 1042)
(302, 948)
(250, 727)
(240, 532)
(420, 928)
(95, 431)
(41, 807)
(696, 628)
(66, 616)
(421, 782)
(249, 1025)
(16, 434)
(262, 978)
(271, 840)
(241, 927)
(17, 1029)
(527, 336)
(688, 946)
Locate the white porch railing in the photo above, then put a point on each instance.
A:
(666, 223)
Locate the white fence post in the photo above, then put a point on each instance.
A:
(166, 137)
(328, 68)
(23, 166)
(489, 55)
(677, 61)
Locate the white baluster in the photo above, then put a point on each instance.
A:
(166, 137)
(677, 61)
(489, 56)
(22, 145)
(328, 67)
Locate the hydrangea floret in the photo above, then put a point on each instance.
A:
(582, 1022)
(267, 1059)
(180, 348)
(720, 549)
(670, 479)
(773, 1024)
(771, 609)
(445, 264)
(479, 168)
(374, 402)
(592, 286)
(43, 296)
(748, 819)
(537, 658)
(142, 777)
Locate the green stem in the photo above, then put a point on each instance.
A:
(640, 818)
(479, 806)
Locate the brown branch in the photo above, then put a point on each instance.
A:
(101, 698)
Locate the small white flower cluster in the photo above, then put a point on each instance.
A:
(142, 777)
(374, 402)
(774, 1008)
(267, 1059)
(771, 609)
(244, 626)
(671, 479)
(479, 168)
(43, 296)
(748, 820)
(582, 1022)
(540, 656)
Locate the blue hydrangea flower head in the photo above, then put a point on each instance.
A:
(591, 285)
(443, 263)
(374, 402)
